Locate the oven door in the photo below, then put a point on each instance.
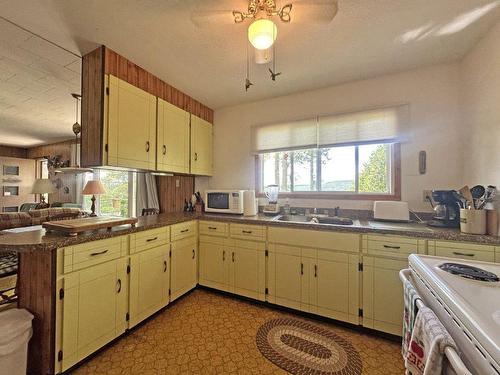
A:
(218, 202)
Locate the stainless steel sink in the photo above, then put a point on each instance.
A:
(320, 219)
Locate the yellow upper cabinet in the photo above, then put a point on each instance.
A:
(173, 138)
(201, 146)
(131, 123)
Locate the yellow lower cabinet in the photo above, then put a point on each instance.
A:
(288, 276)
(337, 278)
(184, 267)
(149, 282)
(91, 310)
(462, 250)
(248, 269)
(214, 262)
(383, 294)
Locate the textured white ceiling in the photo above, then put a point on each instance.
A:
(367, 38)
(36, 79)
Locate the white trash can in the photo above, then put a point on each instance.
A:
(15, 333)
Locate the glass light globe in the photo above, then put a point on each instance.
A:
(262, 33)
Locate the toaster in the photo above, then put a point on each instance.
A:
(391, 211)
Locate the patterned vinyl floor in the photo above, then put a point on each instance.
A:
(208, 333)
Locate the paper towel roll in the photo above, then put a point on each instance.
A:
(249, 203)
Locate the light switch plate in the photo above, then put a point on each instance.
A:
(177, 183)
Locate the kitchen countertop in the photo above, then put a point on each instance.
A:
(39, 240)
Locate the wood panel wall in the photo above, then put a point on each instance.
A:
(172, 197)
(24, 181)
(126, 70)
(13, 152)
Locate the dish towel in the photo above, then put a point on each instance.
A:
(428, 342)
(409, 314)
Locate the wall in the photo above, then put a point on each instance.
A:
(480, 92)
(24, 181)
(434, 101)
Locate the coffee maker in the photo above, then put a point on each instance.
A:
(446, 209)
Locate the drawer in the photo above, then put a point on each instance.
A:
(92, 253)
(462, 250)
(214, 228)
(183, 230)
(148, 239)
(243, 231)
(392, 246)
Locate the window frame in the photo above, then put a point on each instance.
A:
(342, 195)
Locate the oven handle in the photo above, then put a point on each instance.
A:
(453, 357)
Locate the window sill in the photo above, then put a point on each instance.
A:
(338, 196)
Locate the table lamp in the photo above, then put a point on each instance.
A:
(43, 186)
(93, 187)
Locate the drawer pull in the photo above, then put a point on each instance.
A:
(98, 253)
(224, 255)
(247, 231)
(392, 247)
(147, 146)
(184, 230)
(164, 150)
(164, 266)
(315, 270)
(233, 256)
(119, 284)
(212, 228)
(195, 156)
(194, 254)
(301, 268)
(463, 254)
(151, 239)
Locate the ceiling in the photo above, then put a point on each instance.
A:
(367, 38)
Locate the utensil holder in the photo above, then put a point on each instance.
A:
(472, 221)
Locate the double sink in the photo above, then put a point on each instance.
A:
(315, 219)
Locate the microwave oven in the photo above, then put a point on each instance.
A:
(224, 201)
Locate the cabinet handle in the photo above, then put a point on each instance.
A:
(463, 254)
(301, 268)
(151, 239)
(212, 228)
(99, 253)
(119, 283)
(224, 255)
(246, 231)
(233, 256)
(164, 266)
(164, 150)
(194, 254)
(392, 247)
(195, 156)
(184, 230)
(147, 146)
(315, 270)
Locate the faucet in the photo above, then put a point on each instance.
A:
(336, 211)
(315, 211)
(286, 208)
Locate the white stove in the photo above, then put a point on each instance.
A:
(465, 295)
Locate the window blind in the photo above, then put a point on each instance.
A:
(383, 124)
(285, 136)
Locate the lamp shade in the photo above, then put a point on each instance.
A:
(42, 186)
(93, 187)
(262, 33)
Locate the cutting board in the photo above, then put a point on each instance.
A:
(74, 226)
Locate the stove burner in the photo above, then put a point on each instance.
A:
(469, 272)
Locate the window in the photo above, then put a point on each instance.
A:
(119, 199)
(364, 169)
(352, 156)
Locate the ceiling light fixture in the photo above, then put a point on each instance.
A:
(262, 33)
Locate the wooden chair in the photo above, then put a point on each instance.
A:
(150, 211)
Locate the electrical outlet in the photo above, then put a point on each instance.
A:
(177, 183)
(425, 194)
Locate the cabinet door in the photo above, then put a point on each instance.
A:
(248, 269)
(183, 267)
(285, 277)
(173, 138)
(214, 265)
(92, 310)
(131, 126)
(337, 287)
(201, 146)
(383, 294)
(149, 282)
